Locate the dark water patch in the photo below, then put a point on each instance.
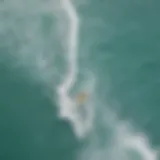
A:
(29, 127)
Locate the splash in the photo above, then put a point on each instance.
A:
(68, 105)
(114, 139)
(123, 142)
(114, 146)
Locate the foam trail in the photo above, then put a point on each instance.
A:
(72, 44)
(67, 105)
(135, 141)
(122, 137)
(117, 140)
(70, 79)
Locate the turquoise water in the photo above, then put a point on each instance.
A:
(51, 51)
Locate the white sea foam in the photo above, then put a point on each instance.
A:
(118, 140)
(122, 138)
(68, 108)
(129, 140)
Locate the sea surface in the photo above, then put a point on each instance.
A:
(79, 79)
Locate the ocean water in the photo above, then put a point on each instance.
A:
(53, 51)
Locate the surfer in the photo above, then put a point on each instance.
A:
(81, 98)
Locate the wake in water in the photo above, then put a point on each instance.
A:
(109, 138)
(125, 143)
(117, 140)
(69, 108)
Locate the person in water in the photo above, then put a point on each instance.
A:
(81, 98)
